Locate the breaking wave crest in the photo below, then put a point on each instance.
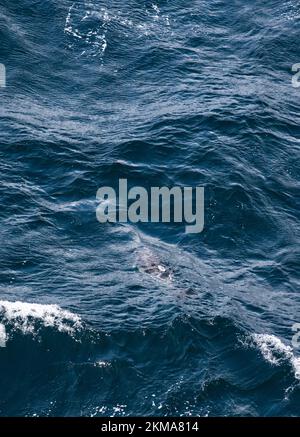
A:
(29, 318)
(276, 352)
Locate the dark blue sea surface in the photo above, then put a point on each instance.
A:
(162, 93)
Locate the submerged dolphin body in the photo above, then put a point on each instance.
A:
(149, 263)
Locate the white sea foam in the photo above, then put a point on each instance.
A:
(25, 317)
(102, 364)
(276, 352)
(88, 26)
(94, 38)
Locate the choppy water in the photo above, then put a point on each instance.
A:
(161, 93)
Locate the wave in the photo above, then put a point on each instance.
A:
(276, 352)
(29, 318)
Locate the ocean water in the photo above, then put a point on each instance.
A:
(162, 93)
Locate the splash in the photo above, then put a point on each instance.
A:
(276, 352)
(29, 317)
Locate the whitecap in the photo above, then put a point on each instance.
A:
(25, 316)
(276, 352)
